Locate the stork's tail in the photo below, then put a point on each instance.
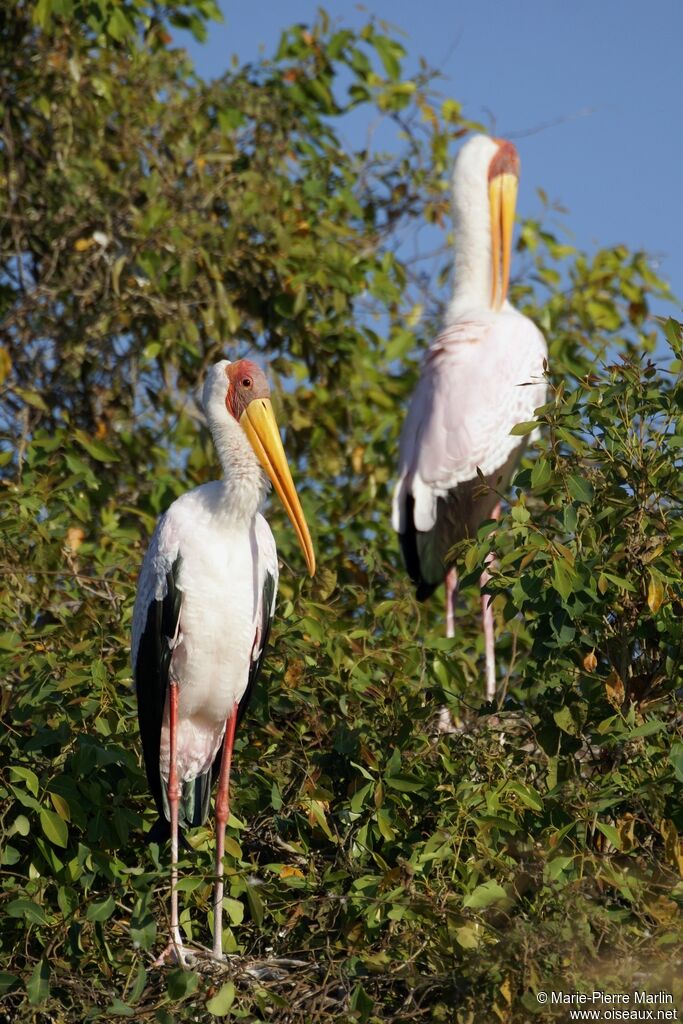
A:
(193, 806)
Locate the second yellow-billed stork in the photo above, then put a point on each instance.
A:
(205, 601)
(482, 374)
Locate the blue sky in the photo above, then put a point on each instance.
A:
(590, 90)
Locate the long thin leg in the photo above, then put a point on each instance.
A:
(174, 799)
(489, 641)
(487, 621)
(175, 945)
(445, 724)
(451, 587)
(222, 814)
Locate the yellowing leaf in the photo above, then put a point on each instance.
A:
(357, 458)
(294, 673)
(233, 847)
(590, 662)
(468, 936)
(626, 826)
(673, 845)
(74, 538)
(83, 244)
(288, 871)
(614, 689)
(655, 592)
(116, 273)
(5, 364)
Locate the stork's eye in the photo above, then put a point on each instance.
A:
(246, 382)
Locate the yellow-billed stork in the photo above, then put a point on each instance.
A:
(204, 605)
(481, 375)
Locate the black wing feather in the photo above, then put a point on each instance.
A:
(458, 516)
(151, 676)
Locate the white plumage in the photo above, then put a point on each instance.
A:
(483, 374)
(221, 577)
(479, 379)
(205, 599)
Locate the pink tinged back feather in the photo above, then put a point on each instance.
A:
(479, 379)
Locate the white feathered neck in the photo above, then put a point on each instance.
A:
(472, 278)
(244, 484)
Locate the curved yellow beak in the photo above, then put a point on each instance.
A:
(502, 202)
(259, 424)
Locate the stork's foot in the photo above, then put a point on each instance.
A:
(175, 955)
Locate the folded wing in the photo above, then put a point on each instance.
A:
(479, 379)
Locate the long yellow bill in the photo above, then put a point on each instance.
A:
(502, 202)
(259, 424)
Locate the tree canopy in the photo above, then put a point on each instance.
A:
(152, 223)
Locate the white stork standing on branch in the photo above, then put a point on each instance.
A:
(481, 375)
(203, 610)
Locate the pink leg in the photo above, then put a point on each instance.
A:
(222, 815)
(445, 723)
(487, 620)
(175, 946)
(489, 643)
(451, 586)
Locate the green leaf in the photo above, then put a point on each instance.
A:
(611, 833)
(119, 1009)
(54, 827)
(41, 14)
(529, 797)
(390, 52)
(485, 895)
(97, 449)
(118, 26)
(255, 904)
(27, 776)
(468, 936)
(7, 982)
(361, 1004)
(569, 719)
(520, 429)
(384, 824)
(138, 985)
(580, 489)
(233, 848)
(620, 582)
(563, 578)
(220, 1004)
(541, 473)
(234, 909)
(676, 760)
(143, 926)
(180, 984)
(101, 911)
(33, 912)
(38, 987)
(405, 783)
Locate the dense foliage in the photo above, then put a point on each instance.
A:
(377, 871)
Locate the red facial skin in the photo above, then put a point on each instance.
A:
(246, 381)
(506, 160)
